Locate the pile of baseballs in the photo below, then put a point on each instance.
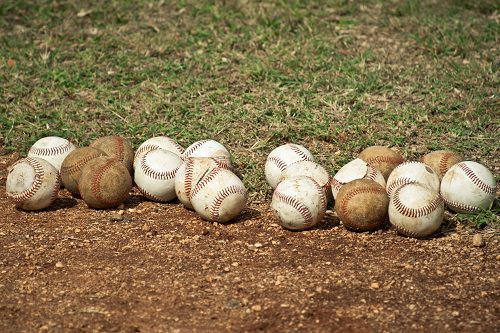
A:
(103, 174)
(377, 187)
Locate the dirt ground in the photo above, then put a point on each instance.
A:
(161, 268)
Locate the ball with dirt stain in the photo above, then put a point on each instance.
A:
(362, 205)
(118, 147)
(71, 168)
(383, 158)
(104, 183)
(441, 160)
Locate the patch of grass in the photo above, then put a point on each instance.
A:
(481, 219)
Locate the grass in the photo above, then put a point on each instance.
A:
(335, 76)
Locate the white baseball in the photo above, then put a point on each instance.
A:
(412, 172)
(280, 158)
(468, 186)
(53, 149)
(208, 148)
(219, 195)
(158, 142)
(32, 183)
(310, 169)
(355, 169)
(189, 173)
(155, 174)
(416, 210)
(299, 203)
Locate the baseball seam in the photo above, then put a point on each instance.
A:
(398, 182)
(476, 180)
(120, 148)
(194, 148)
(322, 195)
(146, 148)
(61, 149)
(443, 163)
(155, 174)
(416, 212)
(221, 196)
(407, 232)
(204, 181)
(336, 185)
(297, 205)
(299, 152)
(371, 172)
(95, 184)
(351, 194)
(71, 169)
(188, 176)
(149, 195)
(384, 159)
(461, 206)
(37, 182)
(278, 162)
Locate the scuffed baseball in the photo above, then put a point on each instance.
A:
(416, 210)
(208, 148)
(219, 195)
(72, 166)
(282, 157)
(310, 169)
(53, 149)
(412, 172)
(155, 174)
(298, 203)
(441, 160)
(117, 147)
(105, 182)
(468, 186)
(355, 169)
(158, 142)
(32, 183)
(383, 158)
(362, 205)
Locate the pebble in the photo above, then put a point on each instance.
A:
(256, 308)
(478, 240)
(59, 264)
(115, 217)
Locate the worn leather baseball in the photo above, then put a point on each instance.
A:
(412, 172)
(280, 158)
(53, 149)
(105, 182)
(362, 205)
(157, 142)
(208, 148)
(72, 166)
(117, 147)
(383, 158)
(441, 160)
(310, 169)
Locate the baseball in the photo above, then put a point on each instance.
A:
(299, 203)
(280, 158)
(32, 183)
(219, 195)
(155, 174)
(362, 205)
(157, 142)
(383, 158)
(441, 160)
(71, 168)
(416, 210)
(53, 149)
(412, 172)
(208, 148)
(468, 187)
(117, 147)
(355, 169)
(105, 182)
(310, 169)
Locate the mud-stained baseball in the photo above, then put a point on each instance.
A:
(383, 158)
(441, 160)
(53, 149)
(32, 183)
(412, 172)
(362, 205)
(72, 166)
(208, 148)
(105, 182)
(298, 203)
(190, 172)
(468, 186)
(416, 210)
(310, 169)
(219, 195)
(155, 174)
(355, 169)
(158, 142)
(117, 147)
(280, 158)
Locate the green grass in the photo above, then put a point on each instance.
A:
(335, 76)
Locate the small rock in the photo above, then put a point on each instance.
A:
(455, 313)
(146, 228)
(115, 217)
(256, 308)
(59, 264)
(374, 285)
(478, 240)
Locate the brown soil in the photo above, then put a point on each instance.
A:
(164, 269)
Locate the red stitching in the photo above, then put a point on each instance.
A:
(155, 174)
(460, 206)
(407, 232)
(221, 196)
(149, 195)
(351, 194)
(371, 172)
(146, 148)
(475, 179)
(95, 184)
(70, 169)
(336, 185)
(443, 162)
(61, 149)
(195, 147)
(416, 212)
(278, 162)
(120, 146)
(37, 182)
(207, 178)
(188, 176)
(384, 159)
(298, 151)
(295, 203)
(398, 182)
